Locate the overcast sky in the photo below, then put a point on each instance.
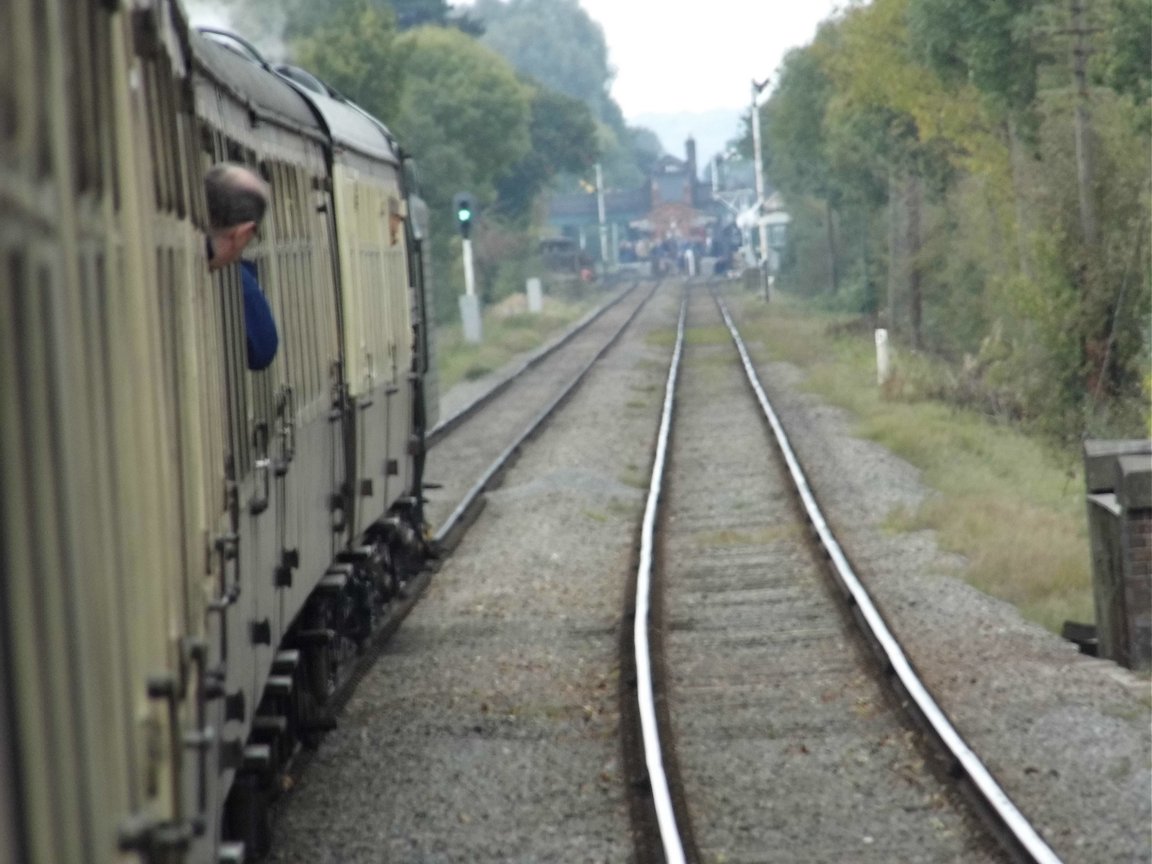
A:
(683, 69)
(681, 57)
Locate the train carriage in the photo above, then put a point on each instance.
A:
(95, 240)
(188, 548)
(282, 447)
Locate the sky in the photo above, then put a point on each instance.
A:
(670, 60)
(690, 75)
(684, 73)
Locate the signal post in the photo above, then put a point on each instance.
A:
(469, 302)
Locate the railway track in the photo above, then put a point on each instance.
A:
(441, 752)
(470, 449)
(490, 731)
(768, 731)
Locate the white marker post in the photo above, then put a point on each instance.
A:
(883, 361)
(535, 296)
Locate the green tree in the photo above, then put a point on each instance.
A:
(355, 52)
(1126, 64)
(991, 45)
(950, 120)
(795, 134)
(794, 126)
(417, 13)
(411, 14)
(556, 43)
(467, 116)
(563, 141)
(988, 43)
(465, 98)
(274, 25)
(931, 130)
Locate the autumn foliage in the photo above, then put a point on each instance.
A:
(975, 176)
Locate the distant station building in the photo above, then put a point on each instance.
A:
(678, 204)
(674, 221)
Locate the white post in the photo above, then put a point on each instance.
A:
(535, 295)
(469, 302)
(469, 276)
(883, 361)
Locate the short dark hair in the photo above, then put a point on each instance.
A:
(235, 195)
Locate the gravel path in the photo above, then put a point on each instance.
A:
(488, 729)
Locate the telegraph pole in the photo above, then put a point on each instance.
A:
(1085, 173)
(757, 87)
(604, 258)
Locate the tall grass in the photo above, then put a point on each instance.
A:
(507, 332)
(1011, 505)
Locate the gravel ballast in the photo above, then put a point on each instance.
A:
(487, 731)
(787, 738)
(1069, 737)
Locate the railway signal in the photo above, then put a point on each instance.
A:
(462, 204)
(469, 302)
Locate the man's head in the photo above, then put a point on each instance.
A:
(237, 198)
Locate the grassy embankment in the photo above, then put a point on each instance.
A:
(1009, 504)
(508, 330)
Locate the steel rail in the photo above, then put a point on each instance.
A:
(414, 589)
(1020, 829)
(457, 520)
(449, 423)
(653, 754)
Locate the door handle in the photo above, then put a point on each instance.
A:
(263, 465)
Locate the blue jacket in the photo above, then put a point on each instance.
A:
(259, 325)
